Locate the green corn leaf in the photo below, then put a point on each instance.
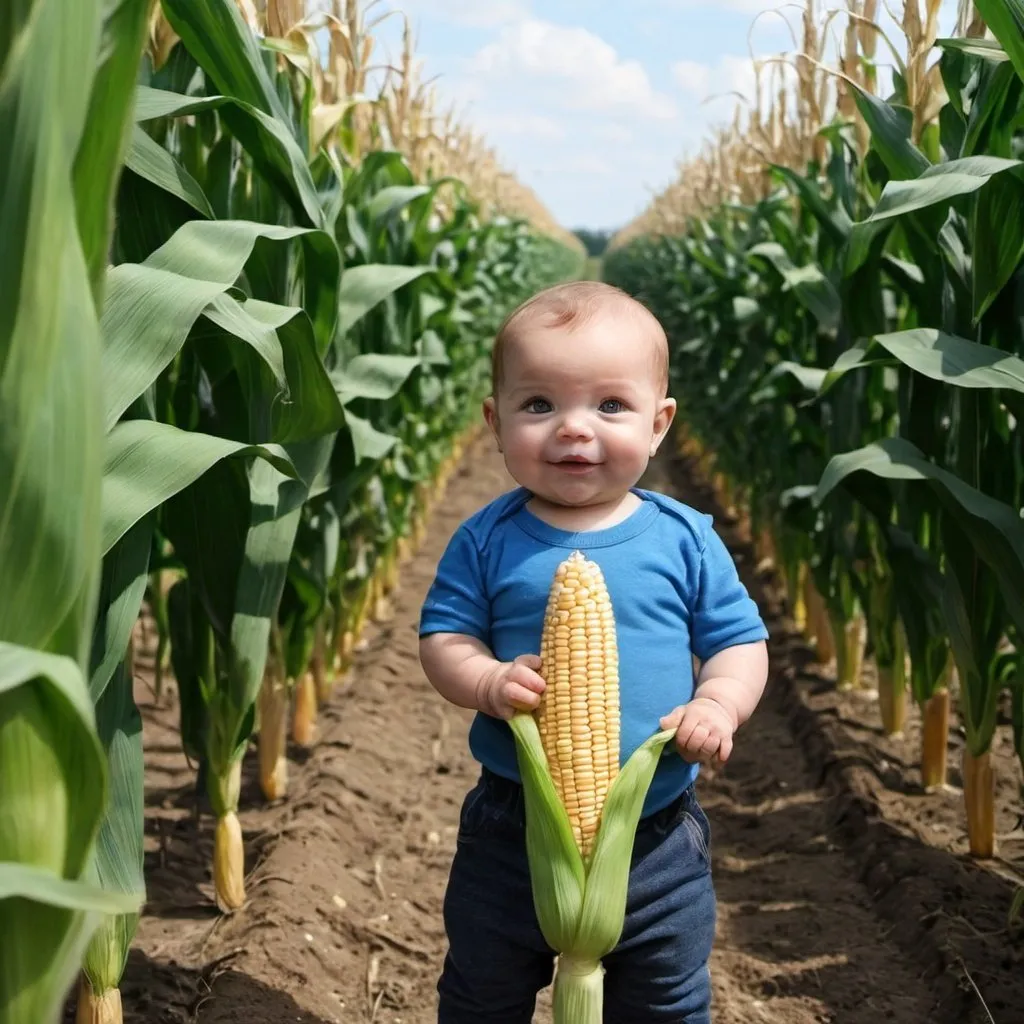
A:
(38, 886)
(890, 134)
(108, 127)
(374, 376)
(835, 221)
(239, 320)
(368, 443)
(149, 160)
(123, 586)
(994, 113)
(267, 139)
(66, 77)
(745, 310)
(364, 286)
(296, 400)
(389, 201)
(556, 867)
(939, 356)
(224, 46)
(267, 551)
(808, 283)
(986, 49)
(940, 184)
(50, 423)
(993, 529)
(151, 307)
(810, 378)
(1005, 19)
(431, 349)
(147, 463)
(431, 305)
(998, 242)
(312, 407)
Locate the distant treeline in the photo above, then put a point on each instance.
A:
(595, 241)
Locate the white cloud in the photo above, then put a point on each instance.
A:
(470, 13)
(586, 72)
(743, 6)
(730, 79)
(534, 126)
(589, 164)
(617, 134)
(692, 76)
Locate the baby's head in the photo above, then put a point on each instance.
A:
(579, 393)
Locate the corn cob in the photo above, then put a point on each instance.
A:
(578, 716)
(581, 809)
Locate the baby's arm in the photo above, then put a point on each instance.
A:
(465, 672)
(729, 686)
(728, 635)
(735, 678)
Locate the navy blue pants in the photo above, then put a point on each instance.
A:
(498, 960)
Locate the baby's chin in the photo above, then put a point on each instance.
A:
(582, 500)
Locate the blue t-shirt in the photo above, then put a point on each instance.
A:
(673, 587)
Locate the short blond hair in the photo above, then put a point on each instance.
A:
(571, 304)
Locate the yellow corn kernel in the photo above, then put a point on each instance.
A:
(578, 716)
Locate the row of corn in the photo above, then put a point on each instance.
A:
(848, 342)
(241, 344)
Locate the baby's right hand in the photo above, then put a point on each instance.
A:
(512, 686)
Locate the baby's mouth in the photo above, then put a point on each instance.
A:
(575, 464)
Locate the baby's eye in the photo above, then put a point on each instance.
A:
(612, 405)
(537, 405)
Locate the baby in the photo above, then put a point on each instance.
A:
(578, 407)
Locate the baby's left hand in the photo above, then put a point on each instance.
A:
(704, 730)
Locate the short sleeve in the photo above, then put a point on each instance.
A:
(725, 615)
(457, 599)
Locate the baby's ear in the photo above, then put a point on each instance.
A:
(662, 421)
(490, 411)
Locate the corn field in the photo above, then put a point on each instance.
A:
(847, 326)
(250, 276)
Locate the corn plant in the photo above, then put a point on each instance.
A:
(65, 83)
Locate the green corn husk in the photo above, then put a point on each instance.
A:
(33, 830)
(581, 906)
(52, 791)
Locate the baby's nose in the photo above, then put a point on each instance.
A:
(575, 426)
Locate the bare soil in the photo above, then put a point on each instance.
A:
(845, 892)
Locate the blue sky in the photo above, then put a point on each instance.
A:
(590, 104)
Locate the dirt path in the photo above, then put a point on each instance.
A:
(830, 909)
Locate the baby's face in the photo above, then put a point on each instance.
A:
(580, 411)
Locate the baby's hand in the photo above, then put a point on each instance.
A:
(704, 730)
(512, 686)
